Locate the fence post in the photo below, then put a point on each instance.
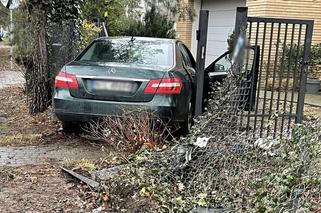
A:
(200, 60)
(240, 21)
(304, 71)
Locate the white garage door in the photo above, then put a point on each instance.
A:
(221, 24)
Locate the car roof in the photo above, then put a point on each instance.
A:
(167, 40)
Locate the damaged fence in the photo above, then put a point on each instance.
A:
(220, 167)
(246, 154)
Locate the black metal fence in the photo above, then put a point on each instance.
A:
(278, 73)
(274, 70)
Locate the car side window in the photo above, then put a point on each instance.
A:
(190, 56)
(185, 56)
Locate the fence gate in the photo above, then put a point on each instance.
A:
(283, 51)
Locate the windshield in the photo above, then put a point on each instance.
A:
(131, 51)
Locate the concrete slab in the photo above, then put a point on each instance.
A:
(310, 99)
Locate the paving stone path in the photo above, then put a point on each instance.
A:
(10, 78)
(36, 155)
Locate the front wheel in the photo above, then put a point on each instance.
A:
(187, 124)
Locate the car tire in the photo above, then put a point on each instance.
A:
(187, 124)
(70, 127)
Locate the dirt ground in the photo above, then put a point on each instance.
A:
(18, 128)
(43, 189)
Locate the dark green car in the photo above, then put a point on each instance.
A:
(113, 75)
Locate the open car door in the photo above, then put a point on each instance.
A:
(220, 68)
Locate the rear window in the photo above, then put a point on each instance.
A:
(131, 51)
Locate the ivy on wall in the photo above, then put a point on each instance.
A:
(49, 18)
(57, 10)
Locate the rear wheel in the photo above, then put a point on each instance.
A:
(187, 124)
(70, 127)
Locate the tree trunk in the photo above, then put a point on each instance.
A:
(38, 84)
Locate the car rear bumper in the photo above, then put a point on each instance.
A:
(68, 108)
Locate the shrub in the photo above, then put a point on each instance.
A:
(315, 60)
(22, 36)
(154, 25)
(88, 32)
(293, 58)
(130, 131)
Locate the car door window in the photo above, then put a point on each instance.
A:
(222, 64)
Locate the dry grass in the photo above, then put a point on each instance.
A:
(5, 42)
(131, 131)
(312, 111)
(20, 127)
(5, 64)
(19, 139)
(83, 164)
(4, 59)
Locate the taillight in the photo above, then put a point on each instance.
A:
(164, 86)
(64, 80)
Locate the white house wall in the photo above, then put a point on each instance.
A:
(221, 24)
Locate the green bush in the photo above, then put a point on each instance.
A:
(22, 38)
(88, 32)
(293, 58)
(154, 25)
(315, 58)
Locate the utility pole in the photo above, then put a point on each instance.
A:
(11, 38)
(11, 4)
